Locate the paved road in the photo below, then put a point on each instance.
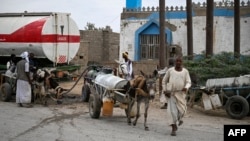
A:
(71, 122)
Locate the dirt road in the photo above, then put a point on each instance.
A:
(70, 121)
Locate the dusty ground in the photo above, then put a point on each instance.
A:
(70, 121)
(196, 113)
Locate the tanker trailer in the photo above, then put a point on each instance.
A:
(107, 88)
(54, 36)
(102, 88)
(234, 93)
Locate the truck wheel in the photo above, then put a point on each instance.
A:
(5, 92)
(95, 105)
(237, 107)
(85, 93)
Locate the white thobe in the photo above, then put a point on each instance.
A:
(23, 89)
(177, 80)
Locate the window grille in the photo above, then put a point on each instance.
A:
(149, 46)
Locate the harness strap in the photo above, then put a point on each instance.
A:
(57, 88)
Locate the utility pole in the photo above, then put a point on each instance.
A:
(209, 28)
(237, 28)
(163, 56)
(189, 29)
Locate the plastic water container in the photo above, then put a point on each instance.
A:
(107, 108)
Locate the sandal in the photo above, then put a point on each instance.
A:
(20, 105)
(28, 106)
(173, 133)
(174, 129)
(180, 122)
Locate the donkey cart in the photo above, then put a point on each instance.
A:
(232, 94)
(102, 89)
(8, 87)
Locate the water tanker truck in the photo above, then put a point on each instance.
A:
(50, 35)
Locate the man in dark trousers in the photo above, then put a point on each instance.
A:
(33, 68)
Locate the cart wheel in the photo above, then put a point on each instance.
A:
(5, 92)
(237, 107)
(85, 93)
(95, 105)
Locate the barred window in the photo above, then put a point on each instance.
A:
(149, 45)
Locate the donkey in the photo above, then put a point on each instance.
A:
(44, 79)
(140, 90)
(38, 87)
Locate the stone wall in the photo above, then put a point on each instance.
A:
(102, 47)
(97, 46)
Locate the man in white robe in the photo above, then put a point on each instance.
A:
(23, 87)
(175, 84)
(129, 75)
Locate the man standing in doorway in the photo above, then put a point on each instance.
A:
(23, 87)
(176, 83)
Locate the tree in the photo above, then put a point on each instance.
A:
(90, 26)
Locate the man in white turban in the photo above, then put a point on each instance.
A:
(23, 88)
(129, 74)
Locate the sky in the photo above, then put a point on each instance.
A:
(101, 13)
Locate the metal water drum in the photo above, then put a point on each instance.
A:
(231, 84)
(110, 81)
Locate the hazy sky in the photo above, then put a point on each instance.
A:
(98, 12)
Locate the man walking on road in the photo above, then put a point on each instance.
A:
(175, 84)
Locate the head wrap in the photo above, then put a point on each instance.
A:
(25, 55)
(125, 54)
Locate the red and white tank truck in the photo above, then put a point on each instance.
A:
(50, 35)
(54, 36)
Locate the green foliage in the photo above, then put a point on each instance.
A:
(90, 26)
(218, 66)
